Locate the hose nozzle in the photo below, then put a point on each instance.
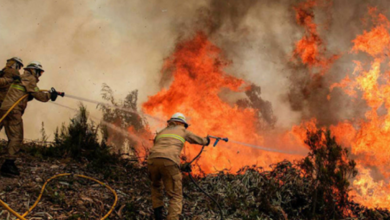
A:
(217, 139)
(62, 94)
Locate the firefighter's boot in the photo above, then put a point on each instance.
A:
(9, 168)
(158, 213)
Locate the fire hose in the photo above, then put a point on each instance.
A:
(22, 217)
(189, 171)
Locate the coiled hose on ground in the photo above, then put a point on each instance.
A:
(22, 217)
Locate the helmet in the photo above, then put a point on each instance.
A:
(17, 59)
(179, 117)
(35, 65)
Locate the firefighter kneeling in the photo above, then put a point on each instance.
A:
(164, 165)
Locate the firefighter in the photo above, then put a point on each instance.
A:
(13, 122)
(164, 165)
(8, 74)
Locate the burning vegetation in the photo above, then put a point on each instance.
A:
(333, 164)
(314, 187)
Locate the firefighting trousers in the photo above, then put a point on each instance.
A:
(165, 174)
(13, 125)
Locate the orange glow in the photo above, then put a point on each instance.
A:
(376, 41)
(367, 190)
(370, 141)
(310, 49)
(198, 79)
(196, 69)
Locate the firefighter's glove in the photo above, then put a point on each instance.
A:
(186, 167)
(17, 78)
(53, 94)
(30, 97)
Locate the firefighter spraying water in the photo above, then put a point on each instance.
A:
(21, 89)
(163, 163)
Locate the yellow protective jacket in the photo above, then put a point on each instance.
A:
(28, 85)
(169, 142)
(5, 80)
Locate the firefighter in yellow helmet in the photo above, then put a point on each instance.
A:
(13, 123)
(164, 165)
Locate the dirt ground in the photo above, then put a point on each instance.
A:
(65, 197)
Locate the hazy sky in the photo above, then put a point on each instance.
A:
(83, 44)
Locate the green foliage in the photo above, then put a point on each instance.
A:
(79, 141)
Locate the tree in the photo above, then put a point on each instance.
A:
(125, 118)
(328, 165)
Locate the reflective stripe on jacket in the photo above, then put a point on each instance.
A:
(170, 141)
(28, 85)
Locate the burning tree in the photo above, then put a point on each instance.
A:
(328, 166)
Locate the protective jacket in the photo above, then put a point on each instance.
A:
(6, 75)
(28, 85)
(170, 141)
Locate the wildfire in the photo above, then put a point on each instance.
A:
(196, 69)
(198, 80)
(369, 142)
(367, 190)
(368, 138)
(311, 49)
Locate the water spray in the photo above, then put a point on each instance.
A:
(110, 125)
(269, 149)
(161, 120)
(217, 139)
(112, 106)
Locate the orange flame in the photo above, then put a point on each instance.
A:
(198, 81)
(197, 71)
(310, 49)
(370, 141)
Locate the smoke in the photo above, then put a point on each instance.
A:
(85, 44)
(124, 43)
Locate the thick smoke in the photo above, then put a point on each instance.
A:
(123, 44)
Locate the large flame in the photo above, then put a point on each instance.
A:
(370, 142)
(197, 68)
